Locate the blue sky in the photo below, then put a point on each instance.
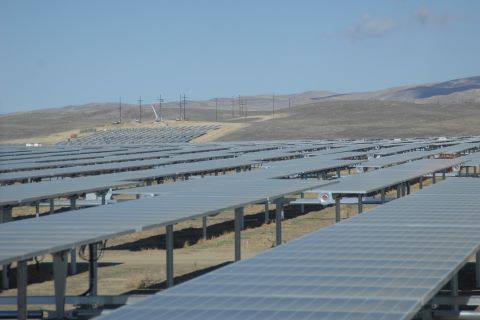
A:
(56, 53)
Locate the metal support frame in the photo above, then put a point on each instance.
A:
(37, 209)
(73, 203)
(93, 269)
(338, 173)
(360, 204)
(399, 188)
(444, 173)
(6, 215)
(454, 289)
(169, 254)
(337, 207)
(302, 206)
(52, 206)
(73, 262)
(238, 233)
(420, 182)
(434, 177)
(22, 308)
(407, 185)
(103, 198)
(477, 269)
(204, 227)
(404, 191)
(278, 222)
(60, 262)
(4, 284)
(267, 213)
(382, 195)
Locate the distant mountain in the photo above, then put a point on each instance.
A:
(453, 91)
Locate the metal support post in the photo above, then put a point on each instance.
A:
(73, 203)
(169, 254)
(60, 262)
(73, 261)
(404, 191)
(338, 173)
(382, 195)
(267, 213)
(93, 269)
(37, 209)
(408, 186)
(360, 204)
(103, 198)
(148, 182)
(302, 206)
(278, 223)
(52, 206)
(238, 232)
(6, 215)
(22, 310)
(434, 178)
(467, 170)
(444, 173)
(477, 269)
(204, 227)
(399, 193)
(337, 208)
(420, 183)
(4, 283)
(454, 289)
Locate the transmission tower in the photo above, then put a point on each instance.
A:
(160, 100)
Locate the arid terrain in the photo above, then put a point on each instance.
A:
(439, 109)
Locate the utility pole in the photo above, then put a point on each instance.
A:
(184, 107)
(180, 105)
(216, 109)
(140, 108)
(120, 111)
(289, 103)
(240, 105)
(160, 100)
(273, 105)
(246, 110)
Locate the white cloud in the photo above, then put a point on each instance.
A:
(371, 27)
(426, 17)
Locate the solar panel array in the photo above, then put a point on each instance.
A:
(385, 264)
(143, 135)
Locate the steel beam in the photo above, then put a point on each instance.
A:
(103, 198)
(169, 254)
(22, 309)
(60, 262)
(434, 178)
(420, 182)
(37, 209)
(238, 231)
(399, 193)
(73, 203)
(278, 223)
(302, 206)
(382, 195)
